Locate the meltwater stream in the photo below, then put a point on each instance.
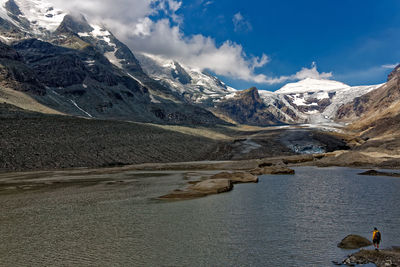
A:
(282, 221)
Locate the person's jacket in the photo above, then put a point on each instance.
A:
(376, 236)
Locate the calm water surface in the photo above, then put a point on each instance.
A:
(282, 221)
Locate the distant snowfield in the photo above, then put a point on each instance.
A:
(312, 85)
(308, 93)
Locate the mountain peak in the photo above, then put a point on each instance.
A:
(74, 24)
(251, 92)
(32, 15)
(311, 85)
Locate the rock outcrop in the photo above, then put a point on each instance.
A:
(236, 177)
(354, 242)
(246, 107)
(201, 189)
(213, 186)
(15, 74)
(272, 170)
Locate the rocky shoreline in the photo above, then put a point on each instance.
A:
(381, 258)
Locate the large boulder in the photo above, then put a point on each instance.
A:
(354, 242)
(237, 177)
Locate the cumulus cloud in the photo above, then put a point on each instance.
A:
(132, 21)
(240, 23)
(154, 27)
(198, 51)
(304, 73)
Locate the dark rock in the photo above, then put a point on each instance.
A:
(74, 24)
(15, 74)
(13, 8)
(354, 242)
(181, 74)
(379, 173)
(247, 108)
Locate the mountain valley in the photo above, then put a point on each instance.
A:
(64, 79)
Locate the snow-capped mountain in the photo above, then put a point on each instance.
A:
(195, 85)
(313, 101)
(305, 101)
(29, 18)
(317, 100)
(310, 85)
(80, 68)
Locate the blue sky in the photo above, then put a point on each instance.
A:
(260, 43)
(351, 39)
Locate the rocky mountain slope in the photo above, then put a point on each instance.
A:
(247, 107)
(32, 140)
(78, 68)
(376, 118)
(375, 103)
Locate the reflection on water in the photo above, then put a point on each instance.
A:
(282, 221)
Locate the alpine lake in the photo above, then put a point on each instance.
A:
(284, 220)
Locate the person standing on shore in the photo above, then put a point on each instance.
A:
(376, 238)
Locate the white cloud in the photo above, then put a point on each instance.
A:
(198, 51)
(240, 23)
